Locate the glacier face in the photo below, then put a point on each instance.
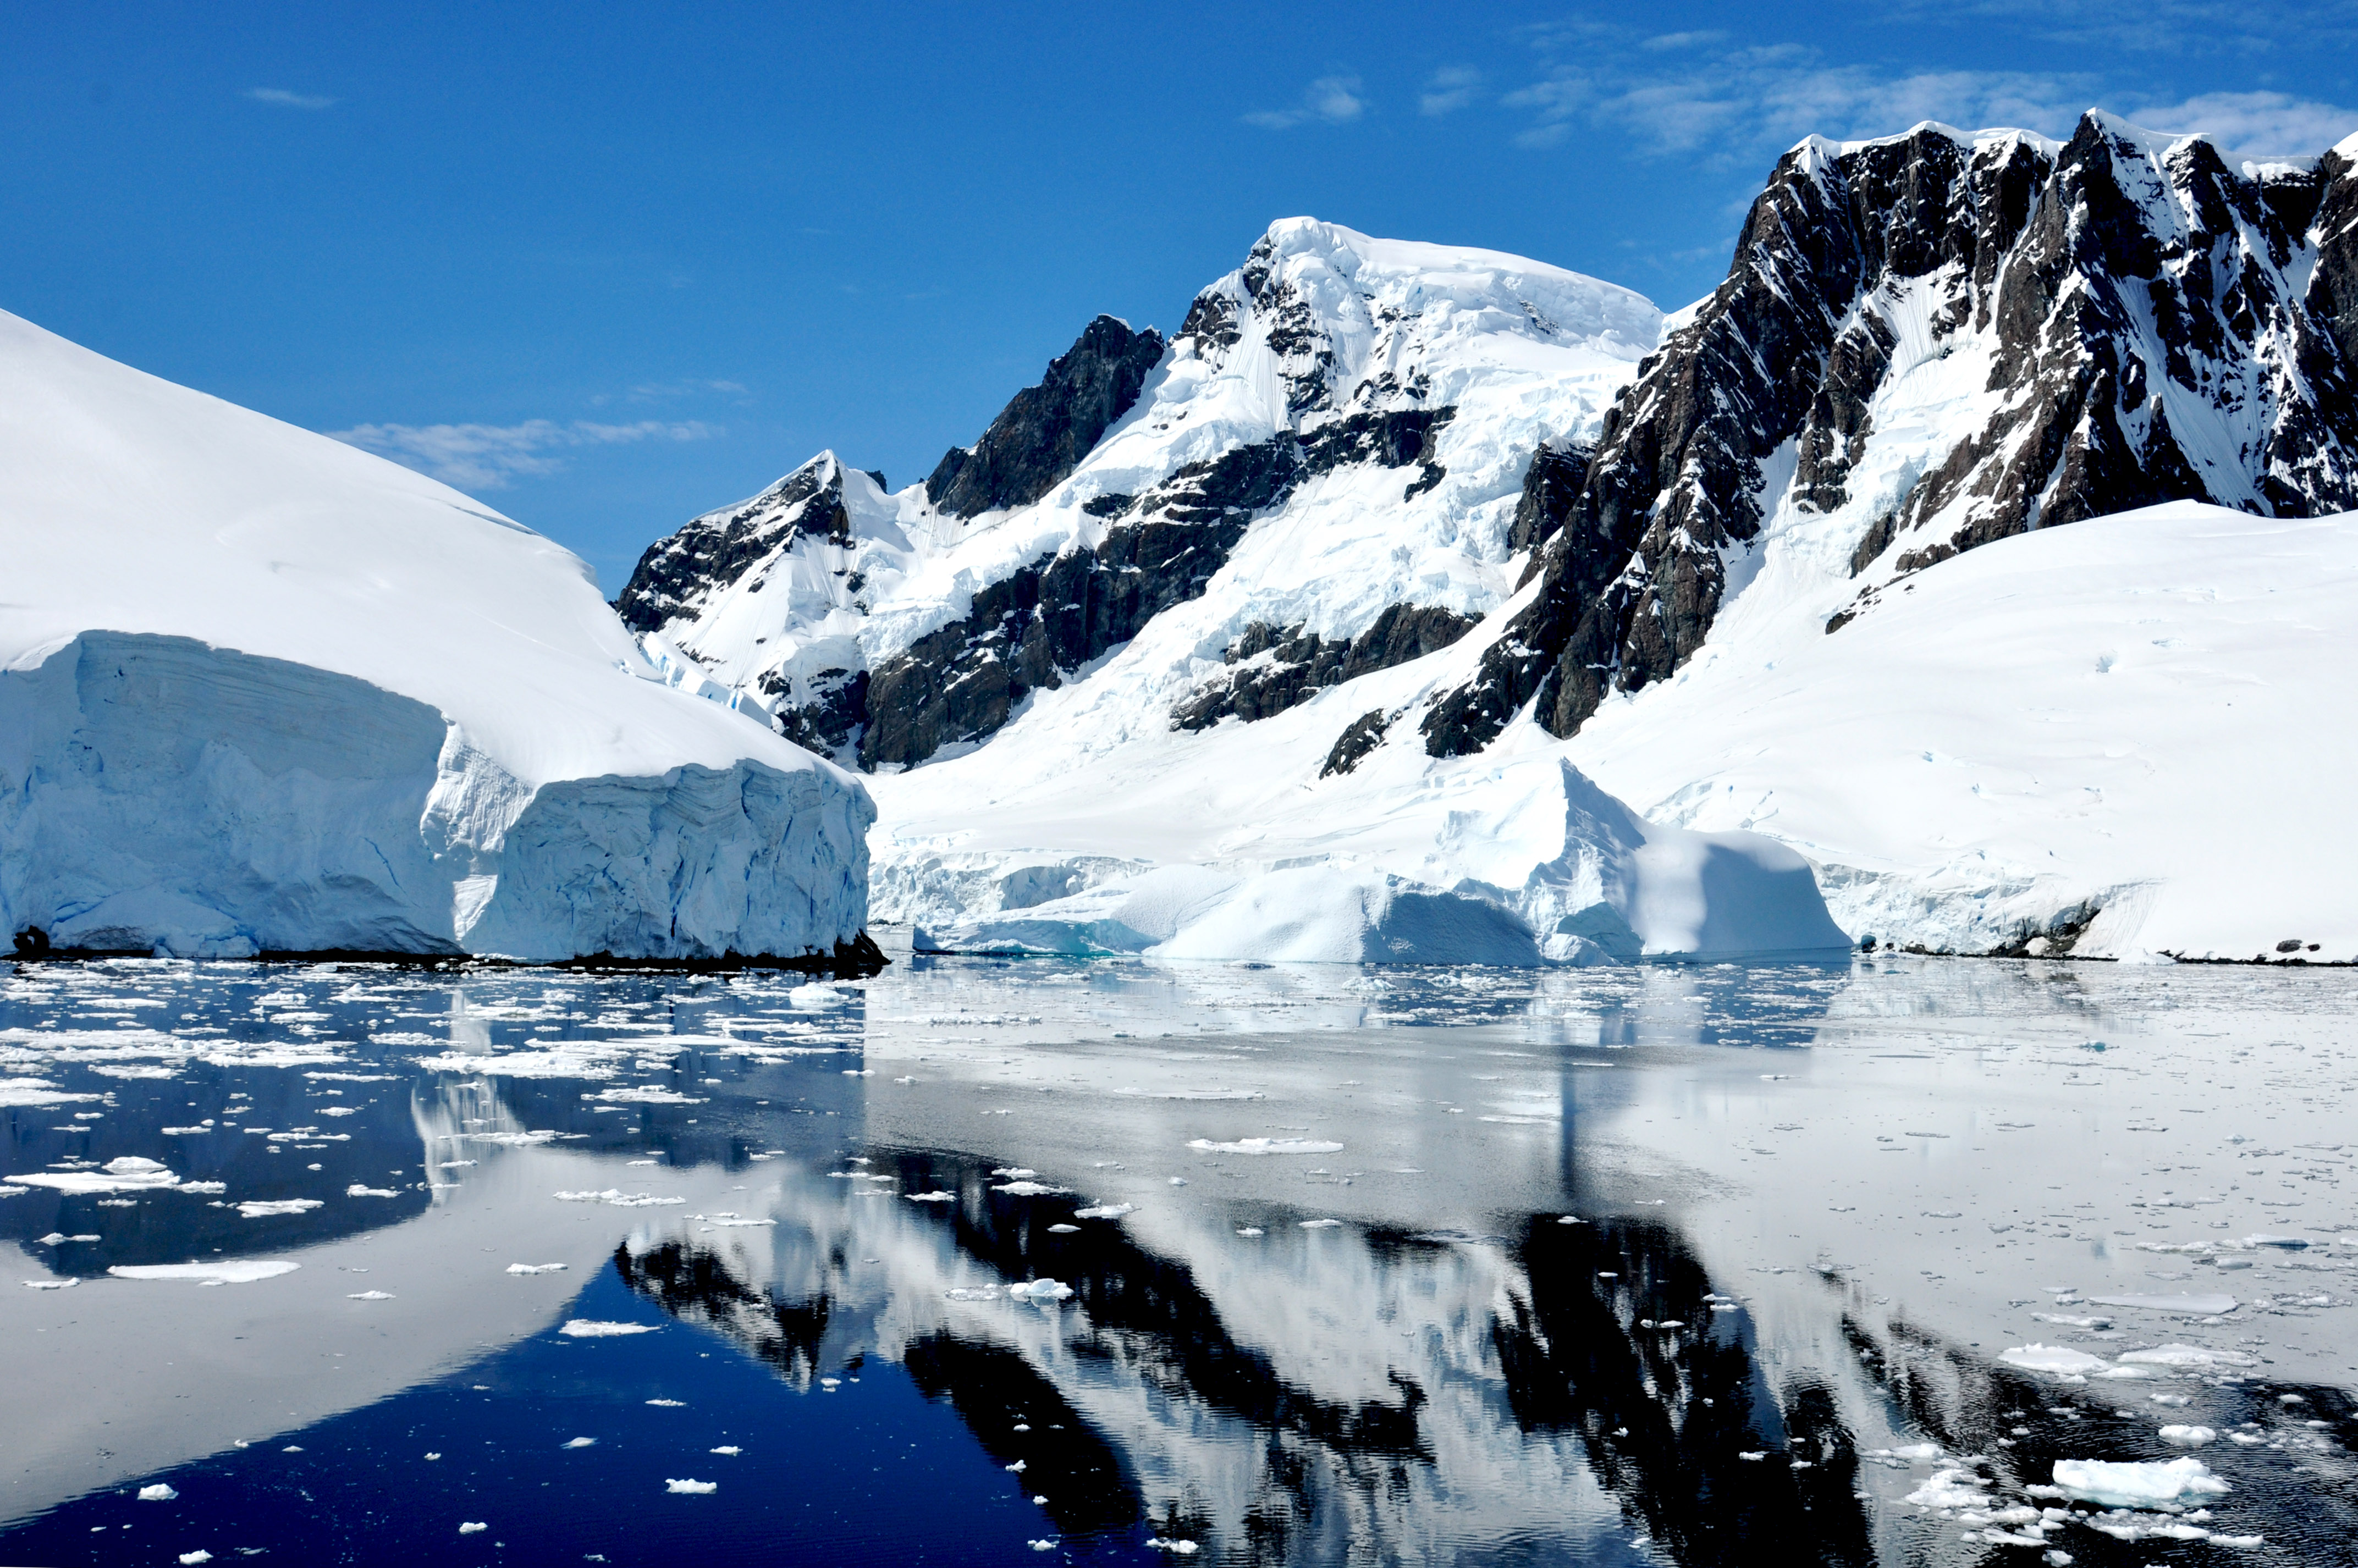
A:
(262, 692)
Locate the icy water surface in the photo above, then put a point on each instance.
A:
(985, 1263)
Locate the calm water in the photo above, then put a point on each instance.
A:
(982, 1263)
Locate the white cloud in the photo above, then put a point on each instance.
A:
(2252, 124)
(1334, 99)
(1742, 103)
(286, 99)
(486, 457)
(1451, 89)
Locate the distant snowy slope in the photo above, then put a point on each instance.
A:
(2143, 718)
(259, 690)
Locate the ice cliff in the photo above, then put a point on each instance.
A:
(262, 692)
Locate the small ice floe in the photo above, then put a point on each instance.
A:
(1178, 1180)
(931, 1197)
(536, 1268)
(1028, 1189)
(158, 1493)
(1320, 1224)
(593, 1328)
(1063, 1230)
(239, 1271)
(2053, 1358)
(973, 1294)
(730, 1449)
(1952, 1486)
(258, 1211)
(618, 1199)
(1104, 1211)
(1266, 1146)
(370, 1296)
(199, 1555)
(358, 1191)
(2187, 1357)
(691, 1488)
(214, 1187)
(1752, 1456)
(2188, 1306)
(572, 1442)
(1041, 1545)
(473, 1527)
(127, 1174)
(646, 1093)
(2147, 1485)
(2188, 1436)
(1018, 1466)
(668, 1404)
(2065, 1321)
(1040, 1290)
(1568, 1219)
(1176, 1547)
(1249, 1230)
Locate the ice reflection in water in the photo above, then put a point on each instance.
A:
(1778, 1317)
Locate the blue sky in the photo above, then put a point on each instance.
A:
(609, 265)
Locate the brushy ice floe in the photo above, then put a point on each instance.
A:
(2139, 1485)
(1266, 1146)
(239, 1271)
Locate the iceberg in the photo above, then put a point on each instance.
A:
(263, 692)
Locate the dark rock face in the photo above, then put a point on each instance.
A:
(677, 572)
(1300, 663)
(830, 719)
(1028, 631)
(1046, 430)
(1358, 738)
(2120, 293)
(1551, 486)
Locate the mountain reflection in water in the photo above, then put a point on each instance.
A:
(1579, 1274)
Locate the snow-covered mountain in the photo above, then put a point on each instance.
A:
(1332, 616)
(260, 691)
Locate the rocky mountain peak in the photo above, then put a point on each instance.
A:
(1929, 342)
(1046, 430)
(677, 573)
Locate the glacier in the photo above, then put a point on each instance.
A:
(262, 692)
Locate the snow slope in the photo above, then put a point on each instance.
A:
(2142, 718)
(259, 690)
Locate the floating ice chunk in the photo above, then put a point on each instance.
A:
(1012, 1172)
(1266, 1146)
(580, 1443)
(973, 1294)
(242, 1271)
(36, 1091)
(8, 1191)
(158, 1493)
(536, 1268)
(1028, 1189)
(1178, 1548)
(1178, 1180)
(1249, 1230)
(1568, 1219)
(618, 1199)
(1320, 1224)
(129, 1174)
(370, 1296)
(2052, 1358)
(931, 1197)
(724, 1221)
(592, 1328)
(254, 1210)
(1752, 1456)
(474, 1527)
(199, 1555)
(2189, 1356)
(728, 1448)
(692, 1488)
(2138, 1485)
(648, 1093)
(202, 1187)
(668, 1404)
(2192, 1306)
(1040, 1290)
(2068, 1322)
(1952, 1486)
(1041, 1545)
(51, 1284)
(1063, 1230)
(2188, 1436)
(1104, 1211)
(358, 1191)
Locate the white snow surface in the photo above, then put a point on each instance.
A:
(2127, 714)
(261, 690)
